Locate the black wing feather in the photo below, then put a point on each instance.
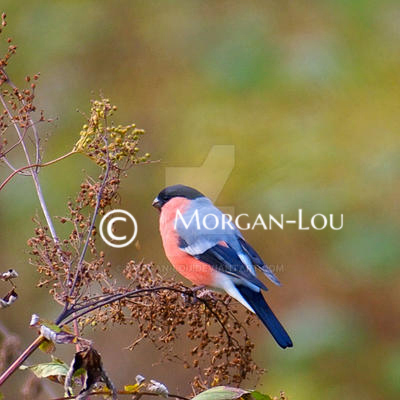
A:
(224, 259)
(258, 262)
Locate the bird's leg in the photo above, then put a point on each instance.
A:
(197, 288)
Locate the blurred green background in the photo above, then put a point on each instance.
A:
(307, 92)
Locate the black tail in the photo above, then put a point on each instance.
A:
(263, 311)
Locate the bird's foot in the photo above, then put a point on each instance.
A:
(206, 294)
(196, 293)
(202, 292)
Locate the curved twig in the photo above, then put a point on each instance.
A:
(92, 306)
(17, 171)
(124, 392)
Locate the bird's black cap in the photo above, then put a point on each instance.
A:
(175, 191)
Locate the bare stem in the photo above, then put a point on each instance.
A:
(15, 365)
(17, 171)
(21, 136)
(92, 306)
(33, 125)
(124, 392)
(28, 159)
(11, 148)
(9, 165)
(90, 231)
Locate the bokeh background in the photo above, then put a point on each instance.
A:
(307, 92)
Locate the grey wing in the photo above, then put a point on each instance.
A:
(202, 226)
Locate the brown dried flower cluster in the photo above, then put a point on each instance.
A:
(18, 108)
(61, 265)
(69, 265)
(168, 314)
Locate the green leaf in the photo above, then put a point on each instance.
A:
(47, 346)
(221, 393)
(51, 369)
(259, 396)
(51, 326)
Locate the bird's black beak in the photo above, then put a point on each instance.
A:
(157, 204)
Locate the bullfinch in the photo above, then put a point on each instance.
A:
(205, 247)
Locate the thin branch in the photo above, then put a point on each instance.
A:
(9, 165)
(219, 321)
(28, 159)
(92, 306)
(94, 217)
(16, 143)
(34, 129)
(90, 231)
(36, 343)
(124, 392)
(15, 365)
(35, 166)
